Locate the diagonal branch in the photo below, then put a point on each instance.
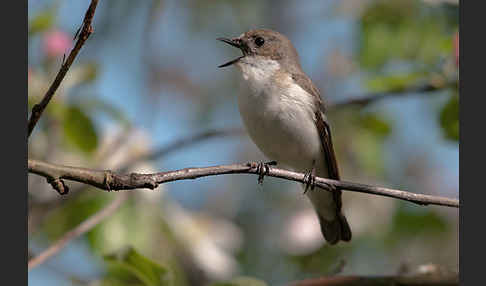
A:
(86, 31)
(117, 203)
(108, 180)
(182, 143)
(372, 97)
(78, 230)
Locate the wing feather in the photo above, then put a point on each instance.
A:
(324, 131)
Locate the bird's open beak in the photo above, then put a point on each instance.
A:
(235, 43)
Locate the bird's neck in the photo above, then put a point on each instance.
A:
(259, 72)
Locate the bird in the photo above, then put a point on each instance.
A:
(285, 117)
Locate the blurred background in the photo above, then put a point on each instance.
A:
(147, 78)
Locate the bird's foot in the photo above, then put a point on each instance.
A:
(310, 180)
(262, 169)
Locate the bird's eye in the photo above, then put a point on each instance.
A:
(259, 41)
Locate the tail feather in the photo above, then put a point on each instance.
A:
(335, 230)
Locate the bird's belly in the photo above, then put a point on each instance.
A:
(284, 132)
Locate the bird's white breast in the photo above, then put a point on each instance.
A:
(278, 114)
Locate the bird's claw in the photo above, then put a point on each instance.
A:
(309, 181)
(310, 178)
(262, 169)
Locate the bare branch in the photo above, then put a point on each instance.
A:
(61, 187)
(95, 219)
(86, 31)
(85, 226)
(360, 101)
(182, 143)
(372, 97)
(434, 280)
(110, 181)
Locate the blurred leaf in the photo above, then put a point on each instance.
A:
(404, 30)
(41, 22)
(410, 221)
(323, 260)
(371, 129)
(109, 281)
(73, 212)
(371, 160)
(390, 13)
(95, 104)
(241, 281)
(375, 123)
(128, 265)
(79, 129)
(449, 118)
(89, 72)
(126, 224)
(394, 82)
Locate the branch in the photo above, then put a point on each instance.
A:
(182, 143)
(108, 180)
(425, 280)
(372, 97)
(86, 31)
(113, 206)
(85, 226)
(92, 221)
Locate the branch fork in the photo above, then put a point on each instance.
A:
(58, 185)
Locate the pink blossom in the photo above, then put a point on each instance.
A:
(56, 43)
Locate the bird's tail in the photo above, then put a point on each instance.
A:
(336, 229)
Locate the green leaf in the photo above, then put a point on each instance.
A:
(375, 123)
(110, 281)
(394, 83)
(241, 281)
(372, 128)
(128, 265)
(403, 30)
(73, 212)
(95, 104)
(409, 221)
(449, 118)
(370, 161)
(79, 129)
(322, 260)
(41, 22)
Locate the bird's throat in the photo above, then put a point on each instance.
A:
(258, 72)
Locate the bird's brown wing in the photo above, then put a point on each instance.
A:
(324, 131)
(338, 228)
(321, 123)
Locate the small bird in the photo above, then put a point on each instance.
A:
(285, 117)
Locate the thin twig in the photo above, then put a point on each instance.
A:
(100, 158)
(425, 280)
(111, 181)
(114, 146)
(182, 143)
(372, 97)
(85, 226)
(86, 31)
(95, 218)
(360, 101)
